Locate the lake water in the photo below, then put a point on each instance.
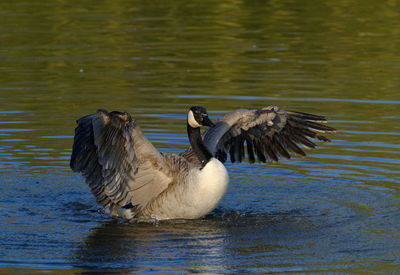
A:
(336, 210)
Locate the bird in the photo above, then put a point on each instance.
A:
(132, 180)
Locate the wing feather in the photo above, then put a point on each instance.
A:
(269, 134)
(117, 160)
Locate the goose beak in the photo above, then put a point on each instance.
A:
(207, 122)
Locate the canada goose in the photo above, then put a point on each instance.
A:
(132, 180)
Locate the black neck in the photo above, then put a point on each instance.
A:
(198, 146)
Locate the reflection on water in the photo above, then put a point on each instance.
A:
(206, 245)
(201, 244)
(337, 210)
(228, 240)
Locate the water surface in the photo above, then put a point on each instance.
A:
(336, 210)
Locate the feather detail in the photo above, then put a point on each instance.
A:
(270, 133)
(115, 158)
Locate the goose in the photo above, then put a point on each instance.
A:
(132, 180)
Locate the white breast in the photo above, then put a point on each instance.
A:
(209, 187)
(198, 196)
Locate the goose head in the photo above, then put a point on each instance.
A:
(197, 117)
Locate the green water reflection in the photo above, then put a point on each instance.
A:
(64, 59)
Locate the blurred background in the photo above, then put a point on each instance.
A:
(336, 210)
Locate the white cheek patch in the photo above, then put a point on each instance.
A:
(192, 121)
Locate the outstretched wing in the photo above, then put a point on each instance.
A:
(269, 133)
(120, 165)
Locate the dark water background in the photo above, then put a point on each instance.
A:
(337, 210)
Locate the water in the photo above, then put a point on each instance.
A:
(336, 210)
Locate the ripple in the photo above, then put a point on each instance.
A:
(15, 130)
(263, 98)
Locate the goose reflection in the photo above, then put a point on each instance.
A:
(127, 247)
(211, 244)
